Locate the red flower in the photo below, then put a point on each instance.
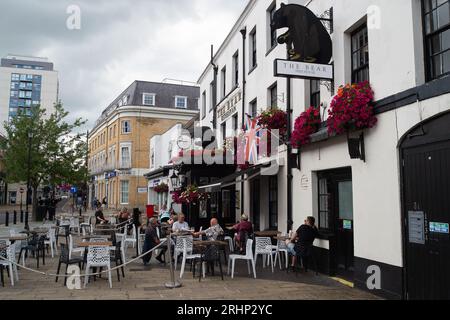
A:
(351, 109)
(305, 125)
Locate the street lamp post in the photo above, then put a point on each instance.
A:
(30, 136)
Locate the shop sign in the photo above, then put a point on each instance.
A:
(229, 108)
(347, 225)
(124, 173)
(154, 183)
(303, 70)
(304, 182)
(142, 190)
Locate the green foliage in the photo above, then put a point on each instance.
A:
(57, 155)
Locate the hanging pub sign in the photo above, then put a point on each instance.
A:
(308, 43)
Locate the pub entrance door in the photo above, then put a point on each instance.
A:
(426, 208)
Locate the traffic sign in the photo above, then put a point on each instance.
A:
(21, 190)
(73, 190)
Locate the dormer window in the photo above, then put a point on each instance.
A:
(181, 102)
(148, 99)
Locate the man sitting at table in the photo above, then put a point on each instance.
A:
(212, 232)
(99, 217)
(302, 241)
(243, 229)
(152, 240)
(180, 225)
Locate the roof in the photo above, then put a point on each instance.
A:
(12, 61)
(165, 94)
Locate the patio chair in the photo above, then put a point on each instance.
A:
(7, 252)
(51, 241)
(281, 248)
(264, 247)
(73, 249)
(247, 256)
(209, 256)
(98, 257)
(35, 244)
(187, 245)
(64, 258)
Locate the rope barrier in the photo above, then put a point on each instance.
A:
(163, 241)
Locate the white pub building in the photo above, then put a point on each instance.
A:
(383, 210)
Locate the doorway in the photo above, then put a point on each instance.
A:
(425, 173)
(255, 201)
(336, 217)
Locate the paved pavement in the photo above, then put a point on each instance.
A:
(148, 283)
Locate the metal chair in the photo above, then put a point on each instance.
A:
(64, 258)
(98, 257)
(264, 247)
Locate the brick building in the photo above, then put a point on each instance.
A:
(119, 144)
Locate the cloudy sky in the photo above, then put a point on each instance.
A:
(119, 41)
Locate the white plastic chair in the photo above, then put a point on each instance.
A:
(248, 256)
(264, 247)
(230, 241)
(187, 247)
(132, 238)
(98, 257)
(7, 252)
(73, 249)
(51, 241)
(281, 248)
(75, 224)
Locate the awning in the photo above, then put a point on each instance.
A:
(251, 173)
(160, 172)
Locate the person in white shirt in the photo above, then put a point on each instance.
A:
(180, 225)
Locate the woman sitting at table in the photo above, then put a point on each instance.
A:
(213, 232)
(124, 215)
(243, 229)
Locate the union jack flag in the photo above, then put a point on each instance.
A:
(252, 139)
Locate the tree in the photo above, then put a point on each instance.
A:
(57, 153)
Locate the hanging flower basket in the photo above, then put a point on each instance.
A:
(305, 125)
(161, 188)
(274, 119)
(352, 109)
(191, 195)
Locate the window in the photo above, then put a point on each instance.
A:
(235, 124)
(181, 102)
(273, 203)
(148, 99)
(253, 108)
(253, 60)
(15, 77)
(437, 37)
(204, 104)
(360, 55)
(272, 32)
(152, 158)
(223, 79)
(126, 127)
(125, 100)
(273, 94)
(315, 93)
(324, 210)
(211, 96)
(236, 69)
(124, 191)
(125, 156)
(224, 132)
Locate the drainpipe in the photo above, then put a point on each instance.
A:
(214, 96)
(289, 152)
(244, 83)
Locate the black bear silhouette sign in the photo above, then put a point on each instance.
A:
(307, 39)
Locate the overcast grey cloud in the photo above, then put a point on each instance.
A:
(119, 41)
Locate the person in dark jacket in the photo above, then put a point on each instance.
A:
(304, 239)
(151, 241)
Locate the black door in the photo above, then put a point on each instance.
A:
(336, 216)
(427, 215)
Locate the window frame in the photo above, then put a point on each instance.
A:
(271, 97)
(427, 39)
(272, 33)
(123, 126)
(146, 94)
(124, 165)
(185, 99)
(236, 69)
(252, 103)
(354, 71)
(204, 104)
(314, 94)
(223, 81)
(122, 192)
(253, 54)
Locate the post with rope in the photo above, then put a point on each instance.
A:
(172, 284)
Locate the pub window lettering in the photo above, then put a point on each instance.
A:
(436, 18)
(360, 54)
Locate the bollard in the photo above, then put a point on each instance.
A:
(7, 219)
(21, 216)
(15, 217)
(26, 221)
(80, 212)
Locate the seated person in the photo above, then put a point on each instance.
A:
(99, 217)
(164, 215)
(243, 228)
(302, 241)
(212, 232)
(151, 241)
(180, 225)
(124, 215)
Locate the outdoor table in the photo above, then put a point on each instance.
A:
(14, 238)
(96, 236)
(282, 238)
(95, 244)
(267, 233)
